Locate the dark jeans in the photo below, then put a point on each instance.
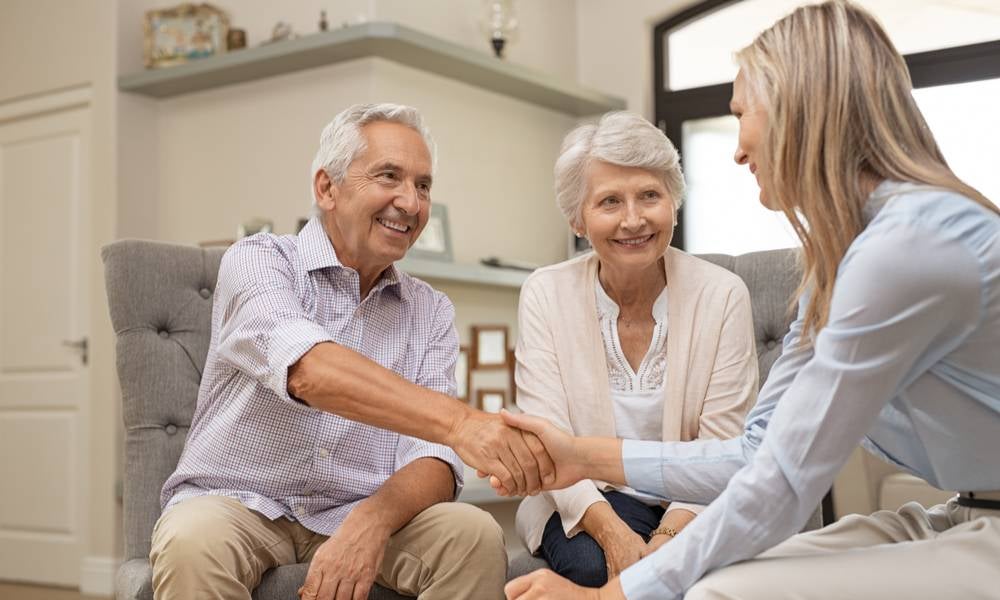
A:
(580, 559)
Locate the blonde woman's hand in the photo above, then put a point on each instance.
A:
(558, 444)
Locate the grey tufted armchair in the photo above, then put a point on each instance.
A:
(160, 296)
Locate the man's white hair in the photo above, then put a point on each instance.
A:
(620, 138)
(342, 141)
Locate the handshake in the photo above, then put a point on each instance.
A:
(523, 455)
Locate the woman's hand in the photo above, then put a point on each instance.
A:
(546, 585)
(559, 444)
(622, 549)
(656, 541)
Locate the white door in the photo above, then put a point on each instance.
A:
(44, 384)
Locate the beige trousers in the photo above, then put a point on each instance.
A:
(949, 551)
(214, 547)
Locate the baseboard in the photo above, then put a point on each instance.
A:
(97, 575)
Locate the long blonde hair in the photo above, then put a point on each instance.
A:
(841, 116)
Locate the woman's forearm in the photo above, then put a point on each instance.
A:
(600, 458)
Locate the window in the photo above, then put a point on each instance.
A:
(956, 71)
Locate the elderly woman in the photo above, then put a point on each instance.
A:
(636, 340)
(894, 346)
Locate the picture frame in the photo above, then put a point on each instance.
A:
(489, 347)
(512, 382)
(463, 374)
(434, 242)
(491, 400)
(183, 33)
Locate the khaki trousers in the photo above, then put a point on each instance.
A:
(215, 547)
(949, 551)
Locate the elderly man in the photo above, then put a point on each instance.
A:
(326, 363)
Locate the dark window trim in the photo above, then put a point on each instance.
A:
(960, 64)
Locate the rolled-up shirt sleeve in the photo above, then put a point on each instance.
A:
(264, 327)
(437, 372)
(902, 300)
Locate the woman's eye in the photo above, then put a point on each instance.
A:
(388, 175)
(609, 201)
(651, 195)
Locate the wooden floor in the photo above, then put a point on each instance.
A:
(11, 591)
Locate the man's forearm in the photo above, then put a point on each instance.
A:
(336, 379)
(406, 493)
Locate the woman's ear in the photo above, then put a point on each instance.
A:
(324, 191)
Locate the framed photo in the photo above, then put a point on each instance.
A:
(462, 374)
(511, 364)
(489, 346)
(435, 240)
(185, 32)
(491, 401)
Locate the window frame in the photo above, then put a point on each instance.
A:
(944, 66)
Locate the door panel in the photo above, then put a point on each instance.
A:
(44, 382)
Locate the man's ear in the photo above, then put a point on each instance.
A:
(324, 190)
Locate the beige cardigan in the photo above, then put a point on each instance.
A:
(562, 374)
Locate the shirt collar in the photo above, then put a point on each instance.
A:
(318, 253)
(884, 192)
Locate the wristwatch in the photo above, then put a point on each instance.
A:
(663, 530)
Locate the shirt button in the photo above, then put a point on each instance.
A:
(323, 453)
(300, 512)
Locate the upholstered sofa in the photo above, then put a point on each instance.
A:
(160, 298)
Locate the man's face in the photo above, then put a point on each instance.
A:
(376, 213)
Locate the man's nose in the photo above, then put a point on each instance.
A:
(407, 201)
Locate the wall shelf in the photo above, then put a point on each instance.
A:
(463, 273)
(385, 40)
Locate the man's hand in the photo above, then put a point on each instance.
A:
(559, 445)
(516, 458)
(546, 585)
(344, 566)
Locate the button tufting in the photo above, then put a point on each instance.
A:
(771, 344)
(164, 334)
(171, 429)
(205, 293)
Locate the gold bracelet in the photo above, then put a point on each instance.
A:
(663, 530)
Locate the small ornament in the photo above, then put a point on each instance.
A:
(323, 25)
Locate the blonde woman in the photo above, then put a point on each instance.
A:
(635, 340)
(895, 346)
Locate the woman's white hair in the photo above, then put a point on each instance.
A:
(620, 138)
(341, 141)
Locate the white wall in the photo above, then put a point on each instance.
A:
(615, 47)
(50, 45)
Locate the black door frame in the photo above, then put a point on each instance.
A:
(960, 64)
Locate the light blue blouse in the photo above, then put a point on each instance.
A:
(908, 364)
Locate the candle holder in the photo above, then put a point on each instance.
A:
(499, 24)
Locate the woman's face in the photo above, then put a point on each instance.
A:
(753, 127)
(627, 215)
